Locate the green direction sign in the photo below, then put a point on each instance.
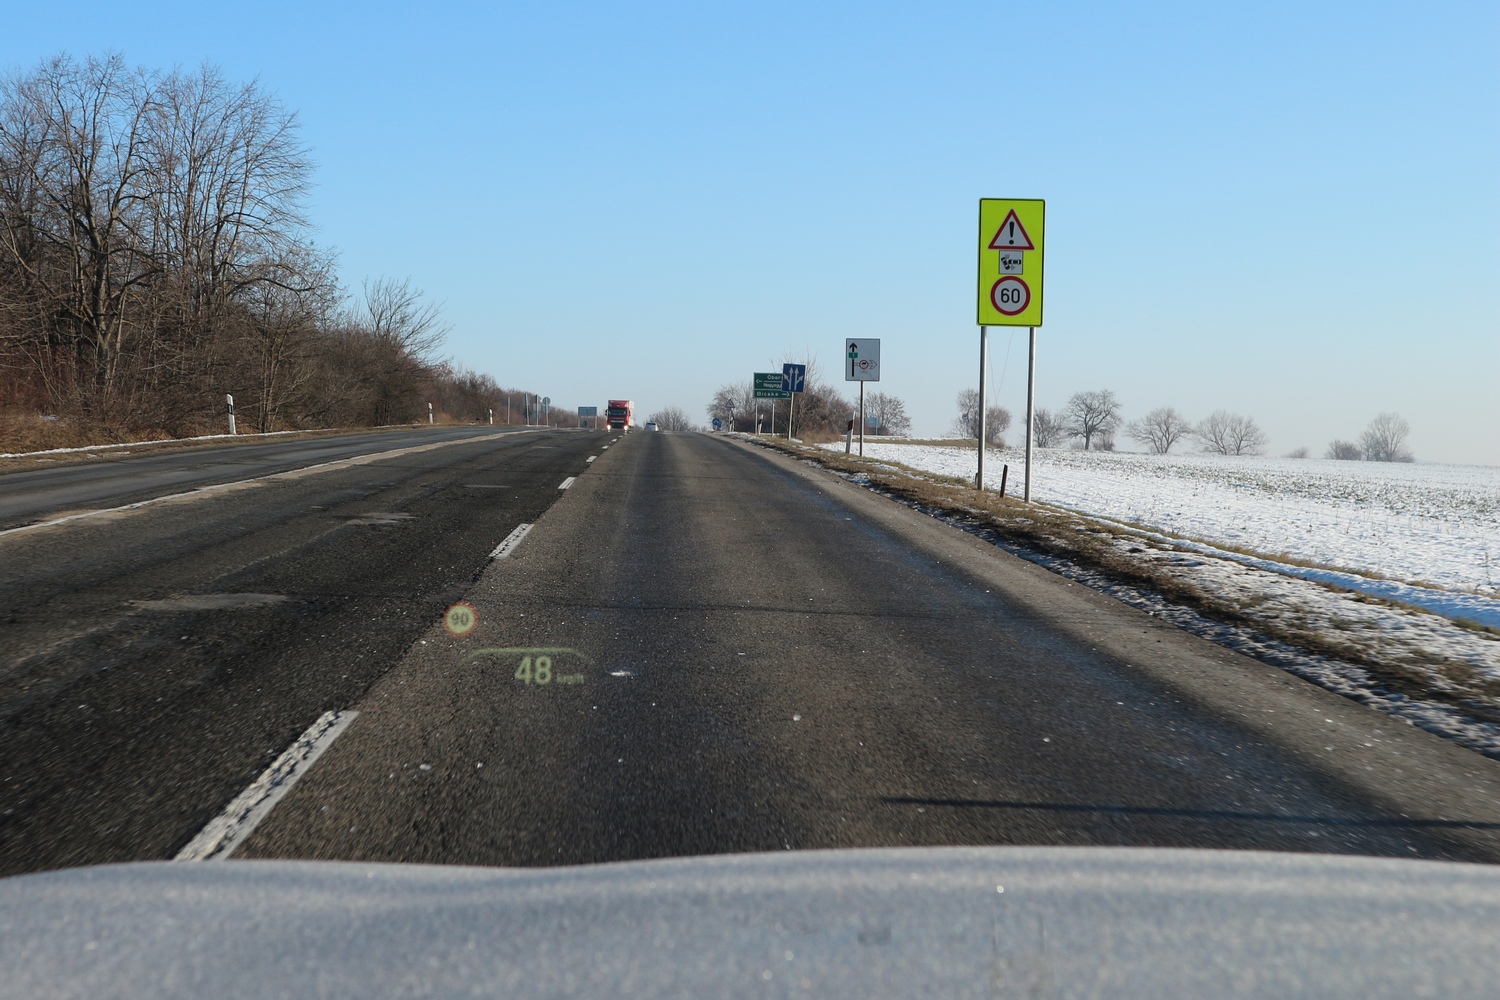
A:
(768, 386)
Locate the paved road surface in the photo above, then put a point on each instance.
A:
(742, 654)
(153, 661)
(115, 477)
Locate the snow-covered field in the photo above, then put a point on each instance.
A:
(1429, 525)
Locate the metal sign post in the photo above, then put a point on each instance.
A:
(1030, 410)
(793, 381)
(984, 351)
(1012, 241)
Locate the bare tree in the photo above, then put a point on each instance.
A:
(966, 424)
(1090, 414)
(1050, 430)
(77, 134)
(734, 404)
(996, 419)
(1225, 433)
(1384, 439)
(1344, 451)
(1302, 452)
(147, 221)
(401, 335)
(671, 418)
(888, 413)
(1160, 429)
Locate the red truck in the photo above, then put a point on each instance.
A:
(621, 414)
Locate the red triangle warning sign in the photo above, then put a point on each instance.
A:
(1011, 235)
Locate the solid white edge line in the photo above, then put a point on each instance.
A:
(568, 482)
(513, 539)
(228, 830)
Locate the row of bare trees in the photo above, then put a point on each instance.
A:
(155, 255)
(1092, 418)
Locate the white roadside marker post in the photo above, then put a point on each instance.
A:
(429, 414)
(230, 400)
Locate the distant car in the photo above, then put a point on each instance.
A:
(651, 426)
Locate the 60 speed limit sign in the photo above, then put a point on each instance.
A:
(1010, 296)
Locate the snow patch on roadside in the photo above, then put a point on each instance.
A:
(1431, 526)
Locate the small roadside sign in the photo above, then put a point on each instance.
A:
(588, 411)
(793, 377)
(768, 386)
(1012, 244)
(718, 424)
(862, 359)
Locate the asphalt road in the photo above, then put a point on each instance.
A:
(747, 654)
(153, 661)
(700, 647)
(115, 477)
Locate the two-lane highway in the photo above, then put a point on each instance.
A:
(745, 654)
(699, 647)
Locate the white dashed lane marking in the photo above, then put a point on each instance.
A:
(513, 539)
(228, 830)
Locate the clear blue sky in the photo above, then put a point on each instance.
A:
(1290, 210)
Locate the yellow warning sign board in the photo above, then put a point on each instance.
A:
(1012, 241)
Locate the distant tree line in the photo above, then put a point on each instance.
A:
(671, 418)
(155, 256)
(1091, 419)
